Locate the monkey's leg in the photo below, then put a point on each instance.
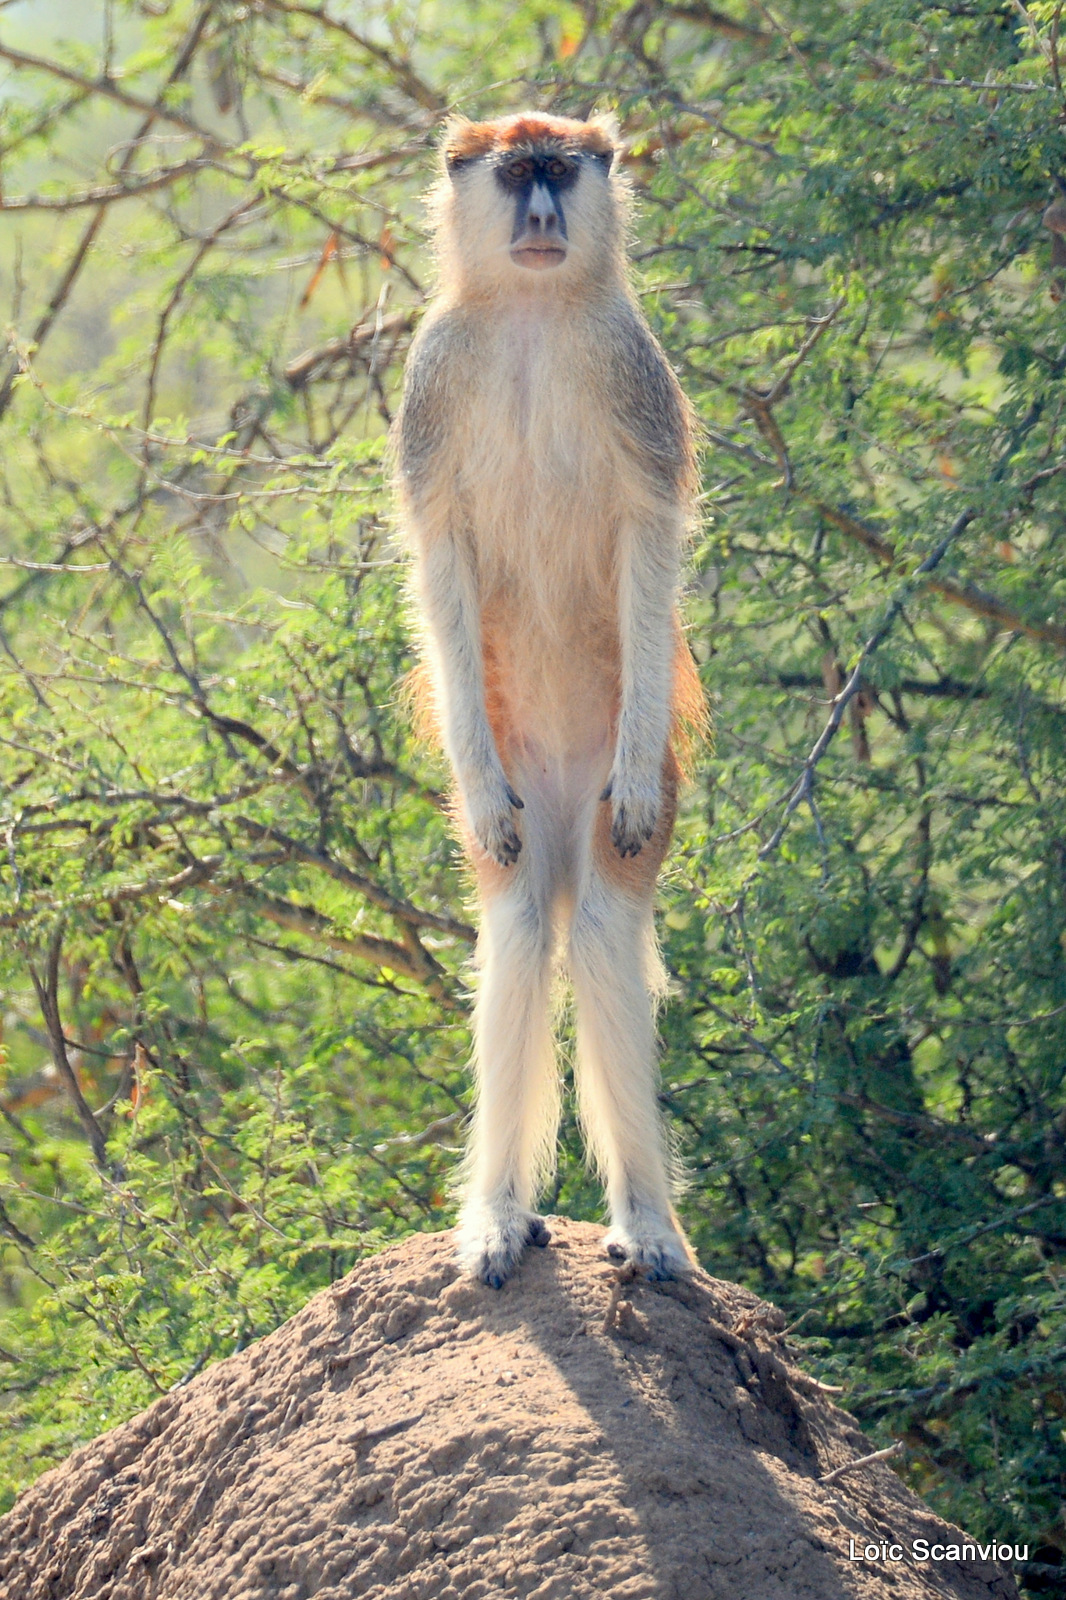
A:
(512, 1144)
(613, 964)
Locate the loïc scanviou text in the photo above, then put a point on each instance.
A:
(922, 1550)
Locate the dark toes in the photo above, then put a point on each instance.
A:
(538, 1234)
(617, 1252)
(509, 852)
(494, 1278)
(628, 837)
(518, 804)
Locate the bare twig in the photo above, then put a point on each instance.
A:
(864, 1461)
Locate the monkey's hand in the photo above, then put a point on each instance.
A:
(490, 805)
(634, 812)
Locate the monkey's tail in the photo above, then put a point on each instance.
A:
(691, 725)
(418, 694)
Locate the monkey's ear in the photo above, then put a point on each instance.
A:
(603, 137)
(463, 142)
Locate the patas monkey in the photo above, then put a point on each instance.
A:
(547, 479)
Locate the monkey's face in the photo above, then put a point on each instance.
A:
(530, 196)
(536, 183)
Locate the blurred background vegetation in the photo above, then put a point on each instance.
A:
(235, 931)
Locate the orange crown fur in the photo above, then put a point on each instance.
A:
(466, 141)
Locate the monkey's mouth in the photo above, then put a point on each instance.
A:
(538, 256)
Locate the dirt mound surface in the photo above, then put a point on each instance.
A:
(413, 1434)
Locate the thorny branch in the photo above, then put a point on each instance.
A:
(968, 595)
(157, 111)
(46, 985)
(803, 789)
(62, 291)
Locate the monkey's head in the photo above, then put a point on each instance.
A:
(529, 202)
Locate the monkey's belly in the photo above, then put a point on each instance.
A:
(552, 705)
(554, 720)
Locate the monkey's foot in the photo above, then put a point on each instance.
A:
(658, 1251)
(490, 1245)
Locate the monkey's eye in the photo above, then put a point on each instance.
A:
(557, 168)
(519, 171)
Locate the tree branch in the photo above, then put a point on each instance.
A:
(402, 910)
(144, 183)
(968, 595)
(804, 786)
(156, 110)
(416, 964)
(61, 293)
(47, 990)
(402, 72)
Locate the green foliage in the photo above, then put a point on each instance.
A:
(235, 932)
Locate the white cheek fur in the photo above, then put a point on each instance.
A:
(477, 218)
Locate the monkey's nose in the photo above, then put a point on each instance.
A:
(542, 215)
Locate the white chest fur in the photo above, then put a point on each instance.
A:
(535, 463)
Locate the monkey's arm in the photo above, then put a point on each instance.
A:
(647, 597)
(656, 430)
(449, 600)
(448, 596)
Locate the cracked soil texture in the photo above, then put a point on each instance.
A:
(412, 1435)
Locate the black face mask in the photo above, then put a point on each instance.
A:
(545, 175)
